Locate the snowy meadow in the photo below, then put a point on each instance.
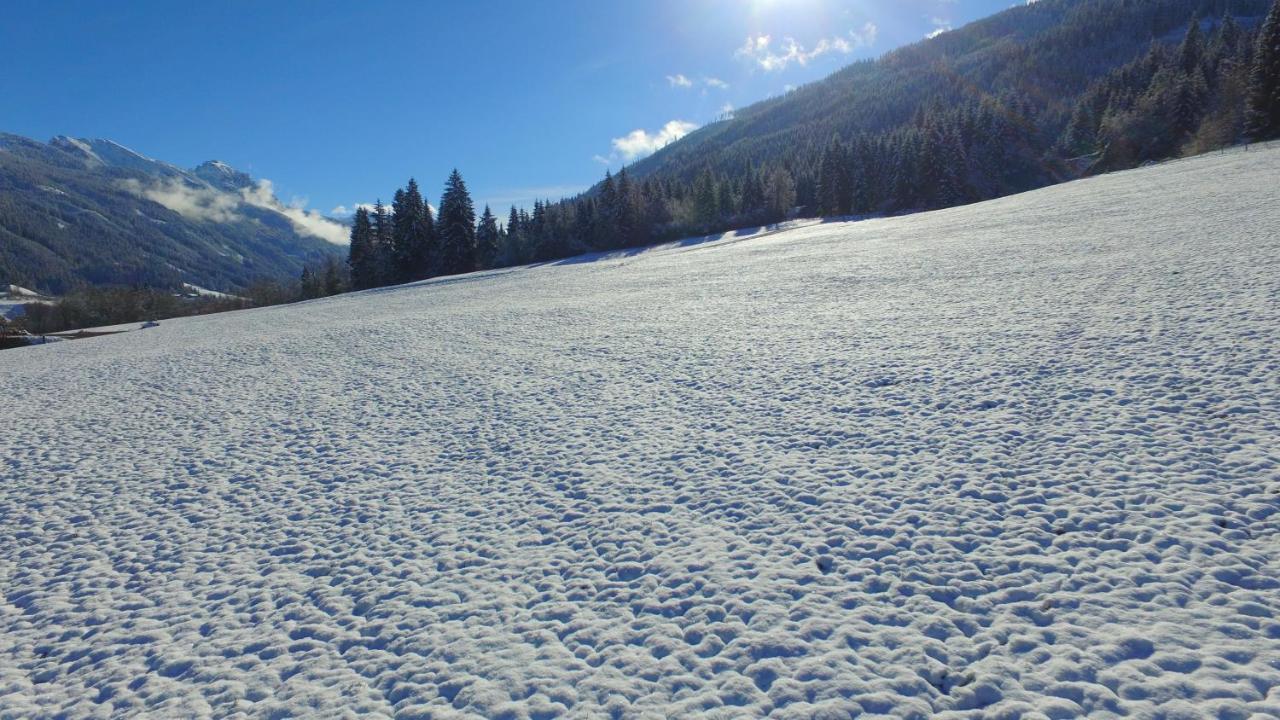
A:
(1019, 459)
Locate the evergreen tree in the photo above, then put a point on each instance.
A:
(1263, 114)
(514, 253)
(607, 227)
(487, 239)
(1191, 52)
(332, 279)
(780, 194)
(412, 234)
(363, 255)
(706, 208)
(834, 191)
(751, 205)
(625, 216)
(383, 266)
(312, 286)
(456, 228)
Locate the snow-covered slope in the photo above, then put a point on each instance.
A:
(1018, 459)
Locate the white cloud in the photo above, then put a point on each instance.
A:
(761, 50)
(639, 143)
(940, 25)
(680, 80)
(193, 202)
(342, 211)
(307, 222)
(212, 205)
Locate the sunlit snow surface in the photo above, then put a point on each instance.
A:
(1012, 458)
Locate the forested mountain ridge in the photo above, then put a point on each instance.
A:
(92, 212)
(1032, 62)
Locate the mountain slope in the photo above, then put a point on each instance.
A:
(1032, 61)
(1013, 457)
(92, 211)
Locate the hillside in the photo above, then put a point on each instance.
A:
(78, 212)
(1013, 457)
(1033, 61)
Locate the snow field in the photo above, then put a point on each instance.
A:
(1014, 460)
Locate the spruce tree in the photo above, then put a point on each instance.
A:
(400, 219)
(383, 267)
(487, 240)
(706, 208)
(835, 192)
(1263, 115)
(514, 253)
(456, 228)
(310, 283)
(625, 213)
(412, 231)
(332, 279)
(363, 256)
(607, 227)
(1191, 51)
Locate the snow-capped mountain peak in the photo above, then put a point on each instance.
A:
(222, 175)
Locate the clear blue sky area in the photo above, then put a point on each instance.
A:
(339, 103)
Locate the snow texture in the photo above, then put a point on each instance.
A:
(1013, 460)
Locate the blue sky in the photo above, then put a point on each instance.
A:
(339, 103)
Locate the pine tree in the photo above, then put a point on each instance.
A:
(412, 234)
(607, 228)
(626, 217)
(456, 228)
(514, 248)
(332, 280)
(780, 194)
(487, 239)
(310, 283)
(751, 205)
(1191, 52)
(705, 206)
(363, 256)
(383, 267)
(834, 190)
(1263, 114)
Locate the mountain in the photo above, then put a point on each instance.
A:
(1031, 64)
(78, 211)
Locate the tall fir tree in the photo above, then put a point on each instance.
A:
(363, 255)
(625, 214)
(1191, 52)
(456, 228)
(834, 189)
(514, 248)
(311, 284)
(487, 239)
(1262, 117)
(706, 207)
(332, 278)
(413, 234)
(382, 245)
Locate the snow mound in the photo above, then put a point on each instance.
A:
(1018, 459)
